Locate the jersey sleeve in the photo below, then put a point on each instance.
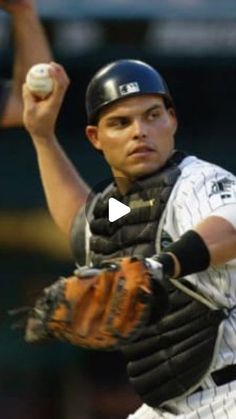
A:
(201, 190)
(5, 86)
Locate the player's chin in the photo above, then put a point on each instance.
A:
(143, 168)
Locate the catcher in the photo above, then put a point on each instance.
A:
(160, 283)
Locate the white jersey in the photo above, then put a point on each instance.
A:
(201, 189)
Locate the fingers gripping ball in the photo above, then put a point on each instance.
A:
(95, 310)
(39, 81)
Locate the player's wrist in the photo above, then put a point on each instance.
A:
(20, 15)
(187, 255)
(43, 138)
(168, 264)
(155, 267)
(45, 143)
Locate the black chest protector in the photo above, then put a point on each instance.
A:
(136, 232)
(171, 357)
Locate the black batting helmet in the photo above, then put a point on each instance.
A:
(120, 79)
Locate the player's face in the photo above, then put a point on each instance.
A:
(136, 135)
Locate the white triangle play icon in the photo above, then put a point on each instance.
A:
(116, 209)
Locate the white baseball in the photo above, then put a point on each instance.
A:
(38, 80)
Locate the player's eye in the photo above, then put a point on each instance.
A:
(153, 115)
(120, 122)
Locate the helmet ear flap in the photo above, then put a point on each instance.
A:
(121, 79)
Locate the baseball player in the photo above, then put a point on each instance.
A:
(182, 221)
(26, 27)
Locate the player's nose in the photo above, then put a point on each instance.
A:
(139, 128)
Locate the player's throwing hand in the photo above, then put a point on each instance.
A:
(40, 115)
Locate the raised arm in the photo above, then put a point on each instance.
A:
(65, 191)
(30, 47)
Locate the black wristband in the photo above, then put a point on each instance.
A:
(191, 252)
(167, 262)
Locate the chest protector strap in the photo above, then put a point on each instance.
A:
(172, 357)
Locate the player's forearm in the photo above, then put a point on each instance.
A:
(220, 237)
(64, 189)
(31, 45)
(211, 243)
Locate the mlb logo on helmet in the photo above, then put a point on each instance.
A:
(126, 89)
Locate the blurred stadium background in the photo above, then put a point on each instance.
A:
(193, 44)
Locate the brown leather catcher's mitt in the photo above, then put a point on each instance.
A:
(97, 309)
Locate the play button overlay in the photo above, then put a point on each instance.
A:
(107, 211)
(117, 209)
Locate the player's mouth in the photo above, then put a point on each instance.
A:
(141, 150)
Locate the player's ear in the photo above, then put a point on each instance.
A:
(92, 135)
